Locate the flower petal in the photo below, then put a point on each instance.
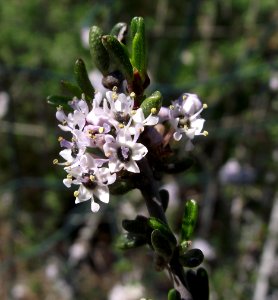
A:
(102, 193)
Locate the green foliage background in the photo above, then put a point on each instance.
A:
(226, 52)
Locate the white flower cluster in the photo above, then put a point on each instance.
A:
(103, 142)
(104, 139)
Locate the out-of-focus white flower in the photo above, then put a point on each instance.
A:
(4, 102)
(206, 247)
(235, 173)
(19, 291)
(127, 292)
(84, 35)
(95, 77)
(273, 81)
(77, 251)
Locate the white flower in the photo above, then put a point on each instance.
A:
(77, 118)
(92, 179)
(123, 152)
(185, 118)
(139, 121)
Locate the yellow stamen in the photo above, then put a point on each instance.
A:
(205, 106)
(184, 97)
(154, 111)
(92, 177)
(60, 139)
(171, 107)
(55, 161)
(121, 125)
(114, 96)
(69, 176)
(133, 112)
(101, 130)
(76, 194)
(132, 95)
(205, 133)
(114, 89)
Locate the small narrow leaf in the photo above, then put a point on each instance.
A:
(138, 54)
(161, 244)
(174, 295)
(119, 55)
(137, 25)
(189, 220)
(73, 89)
(139, 226)
(155, 223)
(203, 283)
(82, 78)
(98, 52)
(192, 258)
(59, 101)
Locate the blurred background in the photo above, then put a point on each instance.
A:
(226, 52)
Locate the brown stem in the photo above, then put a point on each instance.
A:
(149, 189)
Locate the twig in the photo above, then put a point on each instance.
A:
(268, 255)
(149, 189)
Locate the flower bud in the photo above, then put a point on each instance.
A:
(153, 101)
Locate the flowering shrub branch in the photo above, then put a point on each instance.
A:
(122, 139)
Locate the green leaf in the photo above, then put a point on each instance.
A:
(138, 54)
(118, 53)
(138, 57)
(155, 223)
(139, 226)
(192, 258)
(162, 245)
(82, 78)
(189, 220)
(73, 89)
(152, 104)
(98, 52)
(174, 295)
(59, 101)
(137, 25)
(203, 283)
